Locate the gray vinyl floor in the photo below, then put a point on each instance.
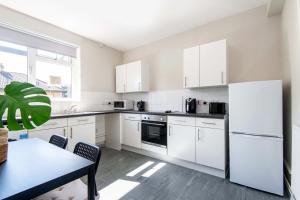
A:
(127, 175)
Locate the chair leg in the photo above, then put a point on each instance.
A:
(96, 191)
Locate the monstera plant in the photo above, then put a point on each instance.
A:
(31, 102)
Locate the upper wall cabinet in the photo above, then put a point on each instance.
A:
(213, 64)
(132, 77)
(120, 78)
(205, 65)
(191, 58)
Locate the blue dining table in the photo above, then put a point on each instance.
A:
(34, 167)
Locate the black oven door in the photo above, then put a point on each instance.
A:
(154, 133)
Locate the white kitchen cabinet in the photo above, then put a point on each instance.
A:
(45, 134)
(132, 77)
(210, 147)
(120, 78)
(181, 142)
(213, 64)
(131, 131)
(81, 133)
(191, 62)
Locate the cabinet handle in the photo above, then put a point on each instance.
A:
(198, 134)
(138, 126)
(169, 130)
(64, 132)
(52, 124)
(71, 134)
(222, 77)
(185, 81)
(83, 120)
(209, 123)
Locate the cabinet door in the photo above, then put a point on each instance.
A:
(131, 133)
(133, 76)
(47, 133)
(191, 67)
(120, 78)
(82, 133)
(181, 142)
(213, 64)
(210, 147)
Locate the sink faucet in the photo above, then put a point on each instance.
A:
(71, 109)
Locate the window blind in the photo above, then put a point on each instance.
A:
(24, 38)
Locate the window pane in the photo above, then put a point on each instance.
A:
(55, 78)
(54, 56)
(13, 63)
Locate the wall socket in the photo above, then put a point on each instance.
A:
(108, 102)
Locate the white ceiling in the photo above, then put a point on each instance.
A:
(127, 24)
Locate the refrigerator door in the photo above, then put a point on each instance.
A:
(257, 162)
(256, 107)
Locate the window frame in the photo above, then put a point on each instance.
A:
(74, 63)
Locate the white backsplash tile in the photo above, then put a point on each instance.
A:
(175, 99)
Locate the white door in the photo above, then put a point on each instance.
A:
(47, 133)
(120, 78)
(256, 108)
(213, 64)
(257, 162)
(81, 133)
(210, 147)
(191, 67)
(133, 76)
(131, 133)
(181, 142)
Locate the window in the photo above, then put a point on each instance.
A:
(13, 64)
(51, 71)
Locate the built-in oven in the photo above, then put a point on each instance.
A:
(154, 130)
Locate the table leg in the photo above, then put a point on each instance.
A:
(91, 183)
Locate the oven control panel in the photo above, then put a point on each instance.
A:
(157, 118)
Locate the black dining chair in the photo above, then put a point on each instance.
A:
(76, 189)
(59, 141)
(90, 152)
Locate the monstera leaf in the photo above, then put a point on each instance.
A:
(31, 101)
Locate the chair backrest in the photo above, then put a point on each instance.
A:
(59, 141)
(88, 151)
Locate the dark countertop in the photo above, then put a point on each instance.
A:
(183, 114)
(102, 112)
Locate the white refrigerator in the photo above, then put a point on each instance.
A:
(255, 140)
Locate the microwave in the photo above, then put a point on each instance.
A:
(123, 105)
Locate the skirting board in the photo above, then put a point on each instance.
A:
(197, 167)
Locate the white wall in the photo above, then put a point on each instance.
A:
(291, 65)
(254, 49)
(97, 60)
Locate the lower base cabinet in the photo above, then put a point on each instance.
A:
(47, 133)
(131, 130)
(76, 129)
(81, 133)
(210, 147)
(181, 142)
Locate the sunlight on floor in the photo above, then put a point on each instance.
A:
(150, 172)
(117, 189)
(139, 169)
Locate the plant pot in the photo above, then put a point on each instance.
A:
(3, 144)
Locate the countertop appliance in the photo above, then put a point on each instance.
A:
(190, 105)
(141, 106)
(154, 130)
(217, 108)
(256, 142)
(123, 105)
